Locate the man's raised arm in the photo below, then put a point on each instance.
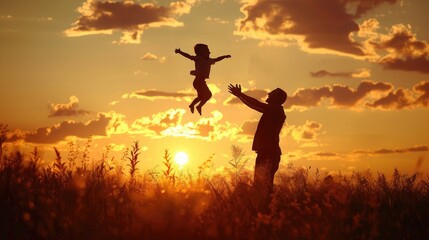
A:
(249, 101)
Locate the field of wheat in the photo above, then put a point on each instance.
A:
(76, 197)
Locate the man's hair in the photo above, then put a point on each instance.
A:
(200, 48)
(280, 96)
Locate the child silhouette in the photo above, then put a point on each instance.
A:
(203, 64)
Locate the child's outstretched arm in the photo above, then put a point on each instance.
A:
(186, 55)
(221, 58)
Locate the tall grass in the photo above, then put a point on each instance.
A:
(65, 201)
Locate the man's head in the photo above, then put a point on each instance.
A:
(276, 97)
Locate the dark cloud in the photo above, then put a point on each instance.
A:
(127, 16)
(322, 24)
(309, 97)
(249, 127)
(261, 95)
(409, 63)
(324, 73)
(404, 98)
(341, 96)
(307, 132)
(49, 135)
(405, 52)
(395, 99)
(344, 96)
(326, 154)
(361, 73)
(396, 150)
(423, 89)
(371, 94)
(68, 109)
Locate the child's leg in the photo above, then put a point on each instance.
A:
(205, 96)
(197, 85)
(191, 106)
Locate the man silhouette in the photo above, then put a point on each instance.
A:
(266, 139)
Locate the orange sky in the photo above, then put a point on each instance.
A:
(356, 72)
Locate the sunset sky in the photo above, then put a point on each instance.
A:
(356, 73)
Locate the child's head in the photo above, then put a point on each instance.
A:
(201, 50)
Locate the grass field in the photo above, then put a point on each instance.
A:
(76, 197)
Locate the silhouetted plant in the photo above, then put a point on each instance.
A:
(238, 162)
(86, 155)
(205, 167)
(39, 204)
(60, 166)
(169, 168)
(133, 159)
(35, 160)
(3, 138)
(73, 153)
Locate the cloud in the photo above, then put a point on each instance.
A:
(423, 89)
(420, 148)
(405, 52)
(153, 95)
(326, 154)
(307, 132)
(404, 98)
(317, 26)
(216, 20)
(183, 95)
(67, 109)
(152, 57)
(340, 96)
(368, 94)
(398, 49)
(418, 64)
(171, 123)
(261, 95)
(37, 19)
(59, 132)
(360, 73)
(249, 127)
(104, 17)
(6, 17)
(332, 27)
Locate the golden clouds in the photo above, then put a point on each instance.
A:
(152, 57)
(170, 123)
(157, 94)
(67, 109)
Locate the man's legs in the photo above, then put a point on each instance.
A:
(266, 167)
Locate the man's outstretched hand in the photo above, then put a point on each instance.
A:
(234, 90)
(177, 50)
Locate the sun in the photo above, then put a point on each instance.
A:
(181, 158)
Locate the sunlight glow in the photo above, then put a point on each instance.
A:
(181, 158)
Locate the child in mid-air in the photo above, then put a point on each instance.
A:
(203, 64)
